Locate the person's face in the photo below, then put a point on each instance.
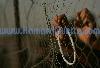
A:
(58, 23)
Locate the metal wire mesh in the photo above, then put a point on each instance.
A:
(43, 51)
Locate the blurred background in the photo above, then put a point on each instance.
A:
(22, 51)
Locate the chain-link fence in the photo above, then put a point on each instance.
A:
(43, 51)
